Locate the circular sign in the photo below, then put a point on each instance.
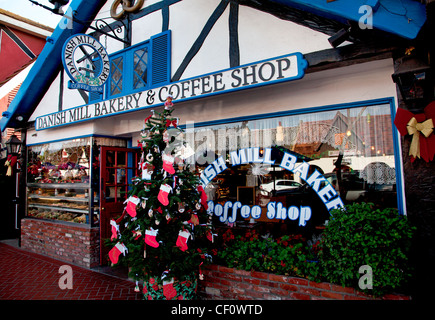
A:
(86, 62)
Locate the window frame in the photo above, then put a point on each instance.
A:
(128, 70)
(387, 101)
(158, 67)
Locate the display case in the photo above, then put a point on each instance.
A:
(73, 202)
(63, 179)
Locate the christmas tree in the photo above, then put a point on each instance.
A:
(164, 234)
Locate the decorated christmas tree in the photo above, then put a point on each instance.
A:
(164, 234)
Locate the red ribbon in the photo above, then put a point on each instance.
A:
(427, 144)
(10, 163)
(173, 122)
(147, 118)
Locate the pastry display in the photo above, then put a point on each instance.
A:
(59, 203)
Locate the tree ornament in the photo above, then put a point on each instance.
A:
(183, 236)
(147, 170)
(168, 161)
(132, 203)
(163, 194)
(149, 157)
(115, 229)
(116, 251)
(150, 237)
(181, 207)
(168, 103)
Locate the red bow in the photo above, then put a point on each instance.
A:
(420, 126)
(10, 163)
(173, 122)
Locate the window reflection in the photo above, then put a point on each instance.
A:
(352, 148)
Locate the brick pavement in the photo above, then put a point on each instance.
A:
(29, 276)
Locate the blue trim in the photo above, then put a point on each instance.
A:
(356, 104)
(160, 59)
(302, 65)
(404, 18)
(331, 107)
(80, 137)
(398, 162)
(46, 67)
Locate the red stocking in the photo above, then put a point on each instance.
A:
(183, 236)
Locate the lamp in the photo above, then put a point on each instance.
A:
(58, 5)
(13, 145)
(340, 37)
(414, 80)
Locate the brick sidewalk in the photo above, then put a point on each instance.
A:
(29, 276)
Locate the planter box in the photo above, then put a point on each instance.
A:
(232, 284)
(70, 242)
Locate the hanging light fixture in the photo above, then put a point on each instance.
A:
(58, 4)
(13, 145)
(413, 79)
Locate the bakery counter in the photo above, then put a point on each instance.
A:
(72, 202)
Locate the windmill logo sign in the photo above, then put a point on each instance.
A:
(86, 62)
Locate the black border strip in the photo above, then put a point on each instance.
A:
(200, 40)
(18, 41)
(234, 35)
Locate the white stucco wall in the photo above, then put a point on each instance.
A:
(261, 36)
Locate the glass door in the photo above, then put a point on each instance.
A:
(117, 167)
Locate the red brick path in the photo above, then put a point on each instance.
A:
(29, 276)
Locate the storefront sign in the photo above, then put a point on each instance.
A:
(284, 68)
(86, 62)
(228, 211)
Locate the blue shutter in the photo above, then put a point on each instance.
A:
(161, 59)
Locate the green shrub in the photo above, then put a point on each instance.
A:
(362, 235)
(288, 255)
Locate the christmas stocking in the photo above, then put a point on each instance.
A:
(163, 194)
(203, 197)
(210, 236)
(116, 251)
(132, 202)
(115, 229)
(168, 161)
(150, 237)
(168, 289)
(147, 170)
(183, 236)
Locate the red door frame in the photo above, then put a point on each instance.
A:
(117, 167)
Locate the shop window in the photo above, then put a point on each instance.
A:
(63, 179)
(352, 149)
(138, 68)
(116, 75)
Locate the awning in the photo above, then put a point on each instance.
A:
(404, 18)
